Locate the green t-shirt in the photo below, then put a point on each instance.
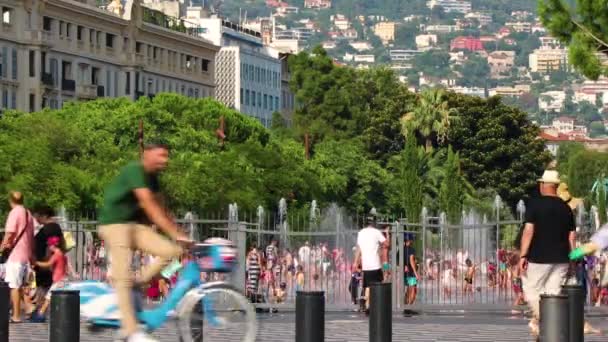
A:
(120, 204)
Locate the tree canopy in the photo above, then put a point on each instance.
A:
(580, 25)
(359, 157)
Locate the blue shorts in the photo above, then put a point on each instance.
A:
(411, 281)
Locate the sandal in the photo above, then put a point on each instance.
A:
(15, 322)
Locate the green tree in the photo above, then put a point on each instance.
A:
(431, 118)
(474, 72)
(579, 24)
(407, 188)
(597, 129)
(405, 35)
(452, 190)
(584, 167)
(434, 63)
(498, 146)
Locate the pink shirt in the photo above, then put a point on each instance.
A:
(58, 262)
(18, 220)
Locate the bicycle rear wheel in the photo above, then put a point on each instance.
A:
(216, 313)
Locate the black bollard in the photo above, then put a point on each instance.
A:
(5, 305)
(310, 316)
(554, 314)
(380, 313)
(576, 302)
(65, 316)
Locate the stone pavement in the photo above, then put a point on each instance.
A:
(349, 328)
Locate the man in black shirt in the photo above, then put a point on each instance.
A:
(50, 228)
(548, 237)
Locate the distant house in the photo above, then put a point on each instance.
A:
(552, 100)
(317, 4)
(466, 43)
(424, 41)
(364, 59)
(460, 6)
(501, 62)
(350, 34)
(385, 31)
(503, 32)
(519, 26)
(515, 91)
(361, 46)
(341, 22)
(328, 45)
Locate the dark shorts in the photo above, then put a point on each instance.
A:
(370, 277)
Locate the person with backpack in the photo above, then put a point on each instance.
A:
(17, 247)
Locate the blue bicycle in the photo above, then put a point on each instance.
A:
(197, 308)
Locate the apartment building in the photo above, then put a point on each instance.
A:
(460, 6)
(546, 60)
(54, 51)
(385, 31)
(248, 74)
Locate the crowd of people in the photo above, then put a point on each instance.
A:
(35, 263)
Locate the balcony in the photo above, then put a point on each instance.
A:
(47, 79)
(110, 52)
(101, 92)
(86, 91)
(68, 85)
(140, 58)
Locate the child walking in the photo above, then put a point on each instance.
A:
(57, 263)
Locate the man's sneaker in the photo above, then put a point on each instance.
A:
(141, 337)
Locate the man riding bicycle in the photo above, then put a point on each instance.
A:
(131, 203)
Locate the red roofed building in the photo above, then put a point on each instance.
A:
(466, 43)
(273, 3)
(553, 139)
(503, 32)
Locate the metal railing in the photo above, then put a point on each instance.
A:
(318, 254)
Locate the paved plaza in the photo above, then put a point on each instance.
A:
(345, 327)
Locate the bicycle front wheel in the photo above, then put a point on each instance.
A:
(216, 313)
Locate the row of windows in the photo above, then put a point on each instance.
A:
(155, 53)
(257, 99)
(260, 75)
(154, 85)
(8, 54)
(9, 99)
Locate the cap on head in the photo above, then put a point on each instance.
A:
(53, 241)
(408, 237)
(550, 177)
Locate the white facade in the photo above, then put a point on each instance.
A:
(483, 18)
(551, 100)
(473, 91)
(580, 96)
(460, 6)
(361, 46)
(439, 28)
(364, 59)
(58, 50)
(424, 41)
(248, 74)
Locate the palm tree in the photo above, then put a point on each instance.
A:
(431, 117)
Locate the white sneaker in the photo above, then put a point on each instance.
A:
(141, 337)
